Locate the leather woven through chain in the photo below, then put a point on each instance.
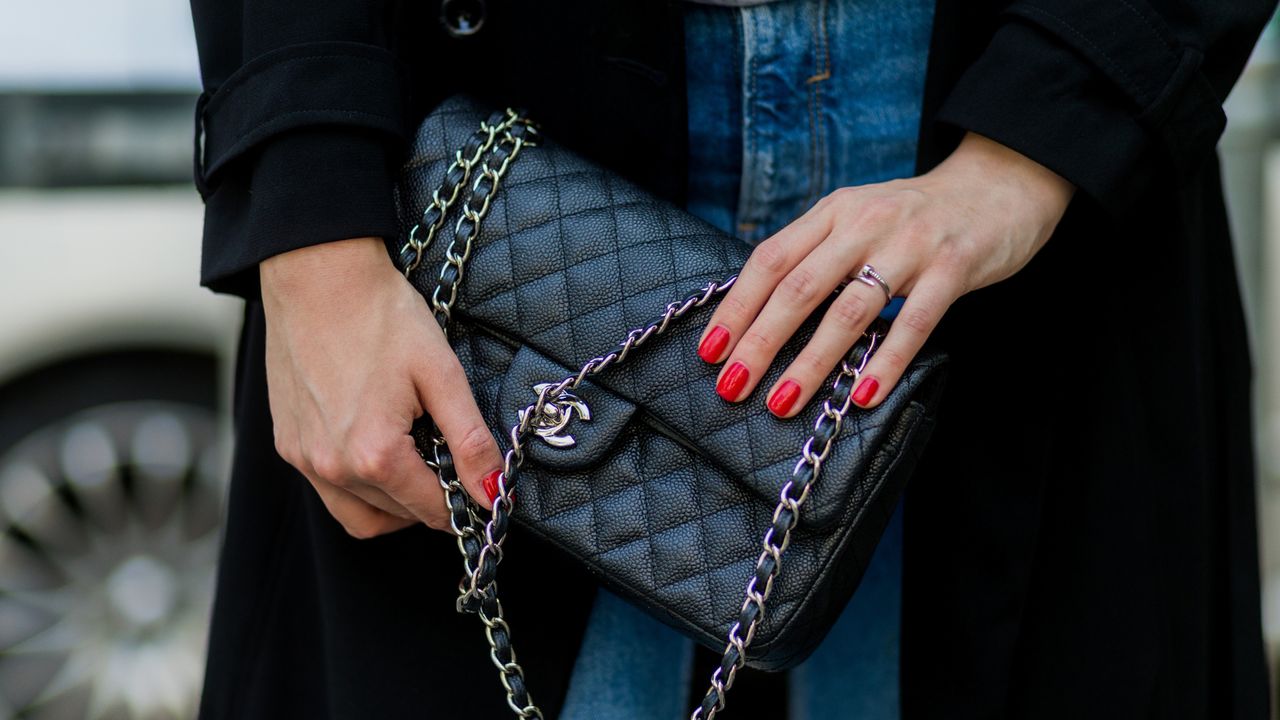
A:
(495, 146)
(480, 543)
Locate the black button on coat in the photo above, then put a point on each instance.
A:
(1080, 538)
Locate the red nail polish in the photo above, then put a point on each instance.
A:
(865, 391)
(732, 382)
(784, 397)
(490, 483)
(713, 344)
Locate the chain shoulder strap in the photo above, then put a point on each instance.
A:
(455, 177)
(506, 137)
(495, 146)
(785, 517)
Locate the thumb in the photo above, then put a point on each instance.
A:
(446, 394)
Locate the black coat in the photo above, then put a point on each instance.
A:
(1080, 538)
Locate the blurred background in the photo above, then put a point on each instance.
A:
(115, 375)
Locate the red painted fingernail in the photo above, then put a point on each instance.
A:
(490, 483)
(866, 390)
(713, 344)
(732, 382)
(784, 397)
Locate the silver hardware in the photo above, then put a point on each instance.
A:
(555, 417)
(493, 533)
(549, 415)
(869, 276)
(456, 255)
(769, 564)
(467, 526)
(446, 195)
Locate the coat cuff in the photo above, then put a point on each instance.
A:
(304, 187)
(299, 146)
(1098, 95)
(1033, 96)
(322, 83)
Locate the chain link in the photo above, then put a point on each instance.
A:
(455, 178)
(517, 132)
(478, 589)
(495, 146)
(499, 141)
(785, 517)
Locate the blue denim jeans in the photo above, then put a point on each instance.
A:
(788, 101)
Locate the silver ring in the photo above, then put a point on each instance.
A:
(869, 276)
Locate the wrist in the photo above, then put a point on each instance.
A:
(327, 264)
(1018, 183)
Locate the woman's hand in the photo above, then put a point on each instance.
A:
(974, 220)
(353, 357)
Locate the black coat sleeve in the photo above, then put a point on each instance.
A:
(298, 130)
(1108, 93)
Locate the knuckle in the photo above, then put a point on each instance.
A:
(800, 286)
(769, 257)
(811, 364)
(839, 199)
(892, 358)
(328, 466)
(438, 521)
(755, 341)
(475, 445)
(364, 528)
(372, 458)
(952, 256)
(845, 194)
(918, 236)
(734, 308)
(946, 257)
(879, 210)
(375, 523)
(286, 450)
(917, 320)
(850, 311)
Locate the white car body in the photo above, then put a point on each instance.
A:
(88, 271)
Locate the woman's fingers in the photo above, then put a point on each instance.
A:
(360, 519)
(405, 479)
(446, 393)
(849, 314)
(379, 467)
(379, 499)
(794, 299)
(929, 299)
(769, 263)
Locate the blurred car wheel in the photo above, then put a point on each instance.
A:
(110, 503)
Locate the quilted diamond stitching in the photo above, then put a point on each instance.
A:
(544, 304)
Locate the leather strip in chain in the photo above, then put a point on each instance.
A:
(495, 146)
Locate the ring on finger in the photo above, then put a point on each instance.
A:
(869, 276)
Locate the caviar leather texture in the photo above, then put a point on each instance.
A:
(668, 490)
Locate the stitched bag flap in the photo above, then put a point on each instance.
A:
(580, 431)
(570, 258)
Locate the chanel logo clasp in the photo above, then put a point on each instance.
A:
(555, 416)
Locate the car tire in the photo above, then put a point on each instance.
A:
(111, 490)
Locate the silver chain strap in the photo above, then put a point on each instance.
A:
(498, 142)
(455, 178)
(785, 517)
(498, 153)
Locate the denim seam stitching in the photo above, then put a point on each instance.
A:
(817, 124)
(748, 182)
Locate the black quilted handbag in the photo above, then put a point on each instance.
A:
(575, 301)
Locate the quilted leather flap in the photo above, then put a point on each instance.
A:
(581, 430)
(570, 258)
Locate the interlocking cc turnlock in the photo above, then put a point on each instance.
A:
(556, 413)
